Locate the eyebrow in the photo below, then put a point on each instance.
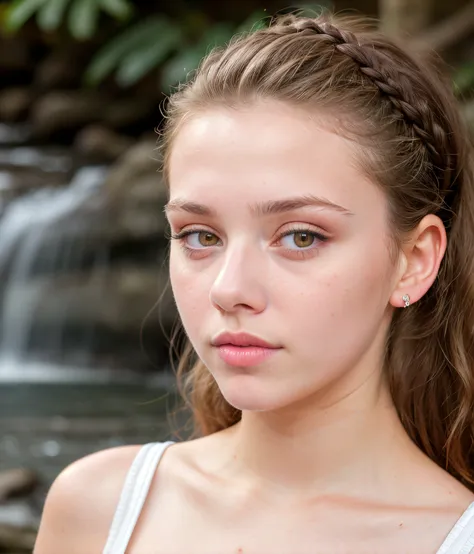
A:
(270, 207)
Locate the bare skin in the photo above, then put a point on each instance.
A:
(320, 463)
(193, 508)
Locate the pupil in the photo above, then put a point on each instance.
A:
(207, 238)
(303, 239)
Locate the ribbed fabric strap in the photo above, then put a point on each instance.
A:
(133, 496)
(461, 538)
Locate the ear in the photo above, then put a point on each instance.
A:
(421, 257)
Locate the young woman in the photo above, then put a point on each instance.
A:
(322, 260)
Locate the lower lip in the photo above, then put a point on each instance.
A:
(245, 356)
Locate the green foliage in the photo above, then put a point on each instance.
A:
(135, 51)
(20, 11)
(51, 14)
(257, 20)
(176, 46)
(119, 9)
(82, 17)
(139, 62)
(178, 68)
(160, 41)
(464, 79)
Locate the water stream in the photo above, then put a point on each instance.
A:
(52, 412)
(34, 229)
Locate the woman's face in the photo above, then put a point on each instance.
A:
(283, 238)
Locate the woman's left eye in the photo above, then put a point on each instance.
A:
(301, 240)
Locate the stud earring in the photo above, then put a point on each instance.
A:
(406, 299)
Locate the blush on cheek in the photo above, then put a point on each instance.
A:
(191, 300)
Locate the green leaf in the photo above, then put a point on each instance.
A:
(217, 35)
(52, 14)
(139, 63)
(464, 78)
(180, 66)
(20, 11)
(257, 20)
(120, 9)
(110, 56)
(83, 17)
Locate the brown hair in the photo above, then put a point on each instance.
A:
(411, 140)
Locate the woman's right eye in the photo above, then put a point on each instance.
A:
(200, 239)
(197, 239)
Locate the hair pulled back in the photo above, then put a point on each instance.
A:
(411, 141)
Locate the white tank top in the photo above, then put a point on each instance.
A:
(137, 484)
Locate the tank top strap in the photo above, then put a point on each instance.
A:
(461, 538)
(133, 496)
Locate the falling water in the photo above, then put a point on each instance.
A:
(34, 233)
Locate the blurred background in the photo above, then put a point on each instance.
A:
(84, 361)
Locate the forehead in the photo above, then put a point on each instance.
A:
(265, 149)
(252, 133)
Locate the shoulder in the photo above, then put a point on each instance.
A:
(82, 501)
(193, 467)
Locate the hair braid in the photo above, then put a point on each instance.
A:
(394, 85)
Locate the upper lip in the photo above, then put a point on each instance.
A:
(241, 339)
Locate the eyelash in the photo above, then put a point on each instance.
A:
(303, 253)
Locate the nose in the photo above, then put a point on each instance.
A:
(239, 283)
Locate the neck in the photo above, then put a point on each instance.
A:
(349, 446)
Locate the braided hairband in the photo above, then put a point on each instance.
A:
(373, 64)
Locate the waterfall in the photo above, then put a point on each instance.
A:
(41, 235)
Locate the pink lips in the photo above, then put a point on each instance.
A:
(242, 349)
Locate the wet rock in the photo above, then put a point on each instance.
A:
(126, 112)
(16, 482)
(141, 159)
(16, 539)
(14, 53)
(80, 318)
(99, 142)
(136, 193)
(21, 512)
(66, 110)
(19, 181)
(116, 299)
(14, 104)
(57, 72)
(140, 212)
(25, 169)
(14, 134)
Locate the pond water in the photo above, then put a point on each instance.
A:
(46, 426)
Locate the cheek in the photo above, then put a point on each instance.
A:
(363, 289)
(341, 302)
(190, 291)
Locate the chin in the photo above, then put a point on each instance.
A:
(249, 396)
